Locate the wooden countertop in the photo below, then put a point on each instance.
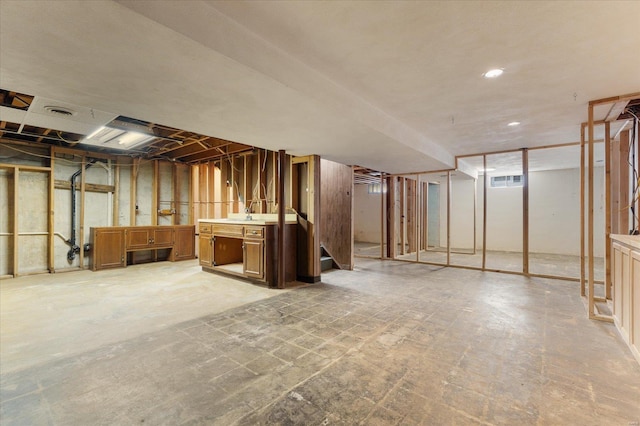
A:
(256, 219)
(632, 241)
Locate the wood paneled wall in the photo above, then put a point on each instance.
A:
(336, 217)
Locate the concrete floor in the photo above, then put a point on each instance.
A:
(389, 343)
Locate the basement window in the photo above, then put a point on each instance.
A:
(507, 181)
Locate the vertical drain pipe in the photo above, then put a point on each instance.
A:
(71, 254)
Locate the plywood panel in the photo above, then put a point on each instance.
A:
(336, 197)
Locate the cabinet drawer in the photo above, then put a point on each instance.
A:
(229, 230)
(205, 228)
(253, 232)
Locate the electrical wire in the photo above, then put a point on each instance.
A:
(48, 157)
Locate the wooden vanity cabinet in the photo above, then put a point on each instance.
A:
(248, 251)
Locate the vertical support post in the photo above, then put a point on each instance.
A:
(224, 189)
(625, 199)
(525, 212)
(392, 245)
(448, 217)
(583, 290)
(116, 194)
(411, 215)
(607, 209)
(191, 196)
(133, 185)
(155, 194)
(615, 186)
(475, 215)
(211, 189)
(175, 194)
(248, 182)
(591, 211)
(263, 156)
(315, 211)
(484, 212)
(281, 219)
(16, 228)
(417, 218)
(83, 182)
(426, 230)
(382, 217)
(403, 195)
(51, 203)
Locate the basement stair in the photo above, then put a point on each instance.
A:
(326, 261)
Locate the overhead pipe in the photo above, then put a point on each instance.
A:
(71, 254)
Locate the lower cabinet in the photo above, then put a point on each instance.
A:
(110, 245)
(254, 256)
(184, 243)
(625, 279)
(110, 252)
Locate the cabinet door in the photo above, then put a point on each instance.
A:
(162, 237)
(204, 247)
(138, 238)
(184, 247)
(108, 249)
(253, 265)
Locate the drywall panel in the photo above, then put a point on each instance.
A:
(504, 218)
(6, 222)
(554, 214)
(366, 226)
(336, 198)
(462, 214)
(33, 190)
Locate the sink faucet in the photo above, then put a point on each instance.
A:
(248, 211)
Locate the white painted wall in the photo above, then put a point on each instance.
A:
(554, 214)
(366, 215)
(462, 197)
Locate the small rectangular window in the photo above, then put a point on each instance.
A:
(507, 181)
(376, 188)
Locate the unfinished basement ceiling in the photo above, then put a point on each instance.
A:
(41, 121)
(393, 86)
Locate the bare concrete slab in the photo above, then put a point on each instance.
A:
(388, 343)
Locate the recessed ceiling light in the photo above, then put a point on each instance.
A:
(496, 72)
(514, 124)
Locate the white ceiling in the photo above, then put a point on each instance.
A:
(394, 86)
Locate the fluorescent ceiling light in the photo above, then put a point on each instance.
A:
(496, 72)
(95, 132)
(514, 124)
(109, 137)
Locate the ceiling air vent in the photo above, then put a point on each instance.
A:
(59, 110)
